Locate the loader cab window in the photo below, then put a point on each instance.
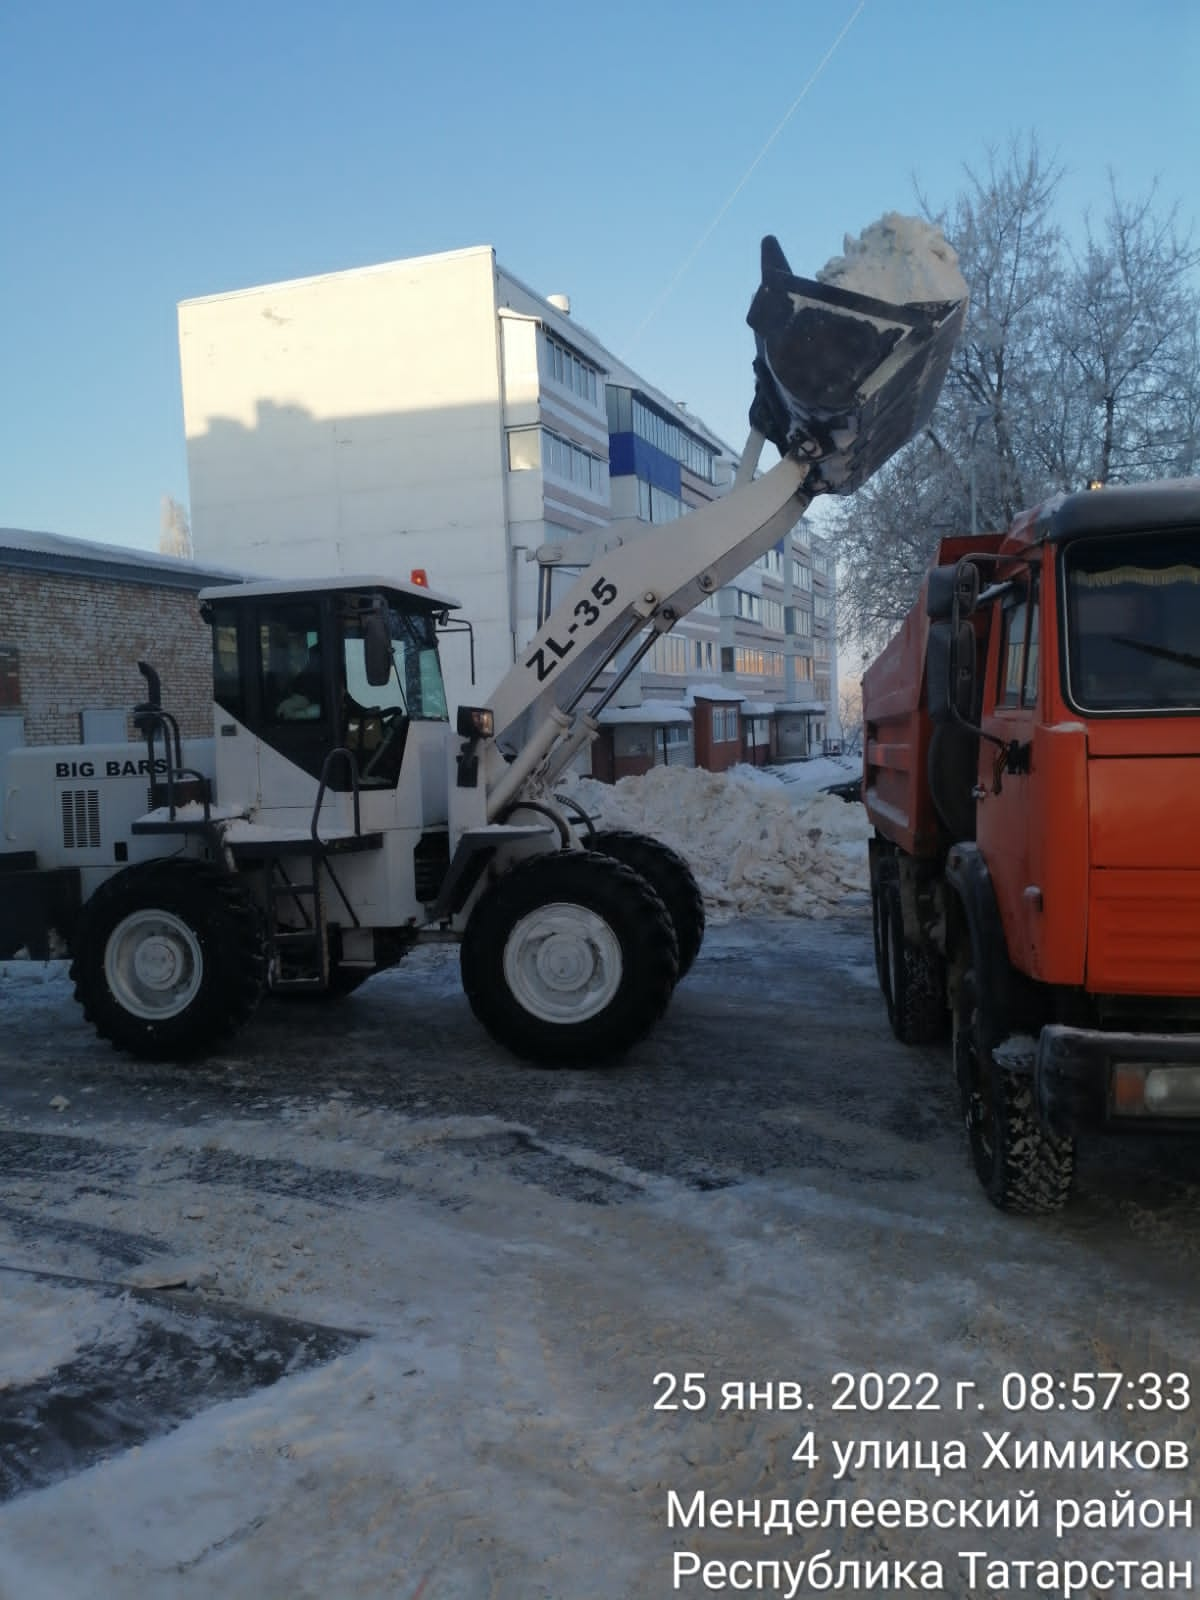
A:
(229, 689)
(291, 665)
(376, 717)
(1131, 607)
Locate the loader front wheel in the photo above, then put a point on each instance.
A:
(1022, 1167)
(669, 875)
(569, 959)
(169, 959)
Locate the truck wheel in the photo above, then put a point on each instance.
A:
(169, 959)
(1022, 1167)
(917, 987)
(569, 958)
(669, 875)
(909, 975)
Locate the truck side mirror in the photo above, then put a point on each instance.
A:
(968, 583)
(939, 593)
(377, 646)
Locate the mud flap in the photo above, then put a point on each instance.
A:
(843, 380)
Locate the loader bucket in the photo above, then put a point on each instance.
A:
(843, 380)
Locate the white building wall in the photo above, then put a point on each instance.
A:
(352, 423)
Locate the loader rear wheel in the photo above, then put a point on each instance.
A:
(1022, 1167)
(569, 958)
(169, 959)
(669, 875)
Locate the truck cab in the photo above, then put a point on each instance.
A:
(1031, 755)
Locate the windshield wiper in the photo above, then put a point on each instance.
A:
(1181, 656)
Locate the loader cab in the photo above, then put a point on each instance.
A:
(309, 667)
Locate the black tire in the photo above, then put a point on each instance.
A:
(669, 875)
(911, 977)
(918, 1013)
(210, 934)
(1022, 1167)
(628, 957)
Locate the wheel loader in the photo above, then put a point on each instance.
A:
(337, 817)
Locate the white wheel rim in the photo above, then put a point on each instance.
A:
(563, 963)
(153, 964)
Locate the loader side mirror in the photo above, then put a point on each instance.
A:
(377, 646)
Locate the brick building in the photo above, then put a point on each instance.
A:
(75, 620)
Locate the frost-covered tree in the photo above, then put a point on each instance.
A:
(174, 530)
(1074, 366)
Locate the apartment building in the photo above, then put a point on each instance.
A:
(437, 413)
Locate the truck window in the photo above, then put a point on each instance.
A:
(1132, 604)
(1029, 690)
(1012, 657)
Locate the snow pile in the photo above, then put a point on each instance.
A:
(755, 849)
(898, 259)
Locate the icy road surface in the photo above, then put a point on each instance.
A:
(425, 1295)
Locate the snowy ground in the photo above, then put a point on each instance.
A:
(770, 1188)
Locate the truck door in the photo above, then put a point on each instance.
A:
(1005, 768)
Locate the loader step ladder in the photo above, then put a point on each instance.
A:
(302, 953)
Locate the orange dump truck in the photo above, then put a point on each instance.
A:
(1032, 771)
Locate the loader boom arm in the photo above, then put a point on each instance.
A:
(842, 382)
(649, 582)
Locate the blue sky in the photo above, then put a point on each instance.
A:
(154, 151)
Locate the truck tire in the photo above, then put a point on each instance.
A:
(569, 958)
(669, 875)
(910, 976)
(1022, 1167)
(169, 959)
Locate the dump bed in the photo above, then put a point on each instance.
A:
(896, 726)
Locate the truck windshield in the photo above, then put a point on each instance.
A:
(415, 687)
(1133, 622)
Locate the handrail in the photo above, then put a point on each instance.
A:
(338, 750)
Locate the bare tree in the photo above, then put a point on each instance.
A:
(1072, 368)
(174, 530)
(1127, 329)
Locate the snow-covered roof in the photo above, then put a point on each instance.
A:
(657, 713)
(759, 708)
(802, 705)
(709, 691)
(29, 547)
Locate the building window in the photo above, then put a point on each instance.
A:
(574, 465)
(804, 668)
(822, 605)
(10, 676)
(799, 621)
(673, 440)
(725, 724)
(749, 605)
(565, 367)
(772, 614)
(801, 575)
(656, 505)
(524, 449)
(676, 733)
(752, 663)
(772, 562)
(669, 654)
